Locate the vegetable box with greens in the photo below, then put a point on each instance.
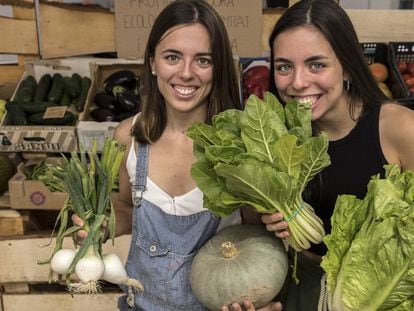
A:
(370, 260)
(89, 180)
(263, 156)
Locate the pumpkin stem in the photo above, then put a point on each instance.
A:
(228, 249)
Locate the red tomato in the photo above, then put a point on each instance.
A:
(405, 76)
(409, 82)
(402, 66)
(410, 68)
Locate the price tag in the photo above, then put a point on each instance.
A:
(54, 112)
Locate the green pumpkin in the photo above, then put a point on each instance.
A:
(240, 262)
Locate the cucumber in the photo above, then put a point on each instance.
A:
(56, 91)
(30, 108)
(15, 114)
(80, 102)
(68, 119)
(65, 100)
(73, 85)
(43, 88)
(26, 89)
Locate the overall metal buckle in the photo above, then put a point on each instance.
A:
(137, 195)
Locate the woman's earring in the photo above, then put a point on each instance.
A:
(348, 84)
(154, 73)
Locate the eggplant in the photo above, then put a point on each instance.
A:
(126, 100)
(124, 78)
(123, 115)
(105, 101)
(102, 115)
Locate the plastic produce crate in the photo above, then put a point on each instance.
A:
(403, 51)
(380, 53)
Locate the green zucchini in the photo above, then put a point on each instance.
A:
(26, 90)
(65, 100)
(43, 88)
(80, 102)
(30, 108)
(73, 85)
(15, 114)
(56, 91)
(68, 119)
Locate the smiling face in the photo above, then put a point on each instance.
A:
(183, 66)
(307, 69)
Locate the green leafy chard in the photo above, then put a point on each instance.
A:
(263, 156)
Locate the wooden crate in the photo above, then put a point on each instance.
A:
(370, 25)
(11, 223)
(19, 36)
(60, 31)
(68, 30)
(24, 284)
(58, 301)
(19, 256)
(19, 33)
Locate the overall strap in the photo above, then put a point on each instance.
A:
(140, 174)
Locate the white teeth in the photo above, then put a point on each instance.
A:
(185, 90)
(307, 99)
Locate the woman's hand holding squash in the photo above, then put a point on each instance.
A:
(248, 306)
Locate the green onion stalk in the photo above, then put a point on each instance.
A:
(89, 179)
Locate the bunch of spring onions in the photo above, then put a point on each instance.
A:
(89, 180)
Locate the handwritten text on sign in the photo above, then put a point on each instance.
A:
(134, 19)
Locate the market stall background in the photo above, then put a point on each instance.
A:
(95, 40)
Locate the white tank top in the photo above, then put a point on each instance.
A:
(183, 205)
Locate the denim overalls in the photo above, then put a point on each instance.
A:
(162, 249)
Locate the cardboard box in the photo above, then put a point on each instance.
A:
(33, 194)
(134, 19)
(42, 138)
(89, 130)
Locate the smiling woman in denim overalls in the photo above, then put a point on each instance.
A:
(188, 76)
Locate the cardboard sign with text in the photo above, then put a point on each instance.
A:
(134, 19)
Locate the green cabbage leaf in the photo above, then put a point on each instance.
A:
(370, 260)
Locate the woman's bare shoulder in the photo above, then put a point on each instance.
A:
(397, 134)
(396, 115)
(122, 132)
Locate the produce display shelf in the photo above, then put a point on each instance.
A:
(403, 51)
(380, 52)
